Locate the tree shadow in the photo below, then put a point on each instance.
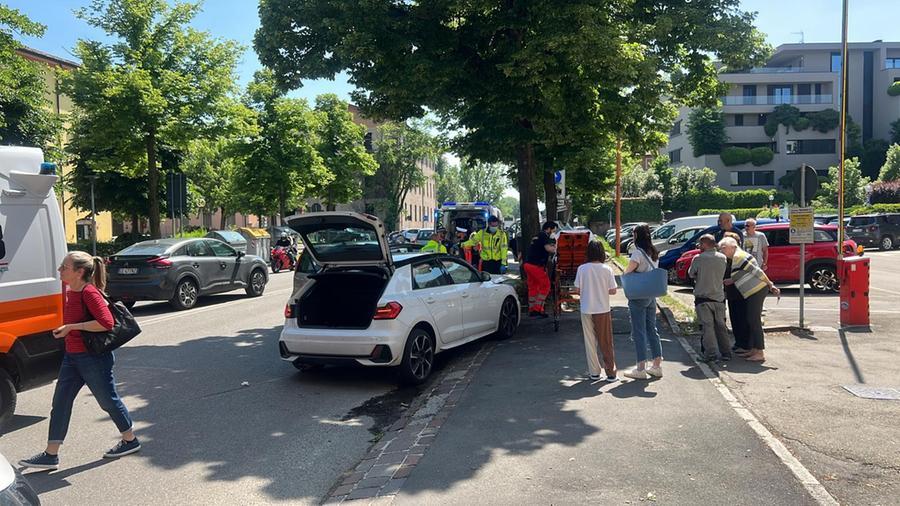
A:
(157, 308)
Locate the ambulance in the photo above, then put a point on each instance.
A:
(32, 245)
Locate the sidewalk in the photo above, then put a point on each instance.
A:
(531, 429)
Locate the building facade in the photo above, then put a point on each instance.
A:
(77, 222)
(808, 77)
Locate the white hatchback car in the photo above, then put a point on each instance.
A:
(368, 307)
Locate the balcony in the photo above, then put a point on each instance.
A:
(777, 99)
(777, 70)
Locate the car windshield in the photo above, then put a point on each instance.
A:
(144, 248)
(663, 232)
(861, 221)
(342, 244)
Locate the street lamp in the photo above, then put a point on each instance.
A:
(869, 188)
(93, 178)
(771, 200)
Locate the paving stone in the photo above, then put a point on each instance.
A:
(376, 481)
(392, 458)
(426, 440)
(404, 471)
(381, 501)
(353, 478)
(383, 470)
(334, 500)
(363, 493)
(393, 487)
(342, 490)
(365, 465)
(412, 460)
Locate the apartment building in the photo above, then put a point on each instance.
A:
(808, 77)
(420, 204)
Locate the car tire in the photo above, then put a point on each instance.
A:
(673, 276)
(418, 357)
(823, 278)
(887, 243)
(7, 399)
(186, 295)
(509, 319)
(256, 283)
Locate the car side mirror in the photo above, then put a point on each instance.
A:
(241, 254)
(485, 276)
(673, 240)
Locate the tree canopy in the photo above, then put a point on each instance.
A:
(399, 150)
(565, 78)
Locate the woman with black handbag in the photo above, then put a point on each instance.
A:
(85, 310)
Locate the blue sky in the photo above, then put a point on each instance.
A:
(819, 20)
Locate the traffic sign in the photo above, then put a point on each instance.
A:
(811, 181)
(801, 229)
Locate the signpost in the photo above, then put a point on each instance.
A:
(802, 230)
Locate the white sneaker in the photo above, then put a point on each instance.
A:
(656, 372)
(638, 374)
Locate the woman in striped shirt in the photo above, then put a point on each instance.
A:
(753, 285)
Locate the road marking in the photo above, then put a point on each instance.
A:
(883, 290)
(809, 482)
(192, 312)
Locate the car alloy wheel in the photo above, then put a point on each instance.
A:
(509, 319)
(418, 357)
(185, 294)
(823, 279)
(257, 283)
(887, 243)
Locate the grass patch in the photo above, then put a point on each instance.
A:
(621, 260)
(684, 314)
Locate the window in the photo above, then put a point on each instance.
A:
(835, 62)
(676, 129)
(675, 156)
(428, 275)
(780, 94)
(820, 235)
(220, 249)
(803, 94)
(764, 177)
(753, 178)
(810, 146)
(778, 237)
(818, 90)
(761, 119)
(742, 178)
(459, 273)
(749, 94)
(738, 120)
(197, 249)
(892, 63)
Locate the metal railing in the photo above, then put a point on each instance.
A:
(777, 99)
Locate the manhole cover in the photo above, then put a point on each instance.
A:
(880, 393)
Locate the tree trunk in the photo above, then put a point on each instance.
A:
(527, 193)
(153, 184)
(223, 220)
(550, 194)
(135, 224)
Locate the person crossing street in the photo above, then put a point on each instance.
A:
(492, 245)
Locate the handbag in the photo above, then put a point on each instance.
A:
(645, 285)
(124, 329)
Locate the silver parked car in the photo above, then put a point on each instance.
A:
(181, 270)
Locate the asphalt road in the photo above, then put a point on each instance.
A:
(206, 438)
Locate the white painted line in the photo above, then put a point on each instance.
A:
(883, 290)
(192, 312)
(809, 482)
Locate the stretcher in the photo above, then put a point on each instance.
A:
(571, 252)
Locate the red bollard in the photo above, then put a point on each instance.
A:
(854, 276)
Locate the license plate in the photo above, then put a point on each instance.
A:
(128, 270)
(857, 230)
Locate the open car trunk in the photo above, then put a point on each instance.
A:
(341, 299)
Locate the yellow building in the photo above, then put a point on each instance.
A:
(76, 221)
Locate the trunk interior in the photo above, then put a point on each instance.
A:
(341, 299)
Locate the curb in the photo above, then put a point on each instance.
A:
(382, 472)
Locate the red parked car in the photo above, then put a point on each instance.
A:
(784, 257)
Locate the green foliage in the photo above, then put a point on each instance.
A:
(340, 145)
(824, 121)
(648, 209)
(895, 131)
(26, 117)
(801, 123)
(281, 163)
(706, 130)
(771, 127)
(894, 89)
(211, 167)
(874, 156)
(472, 181)
(539, 83)
(761, 156)
(854, 186)
(665, 174)
(785, 114)
(890, 171)
(400, 148)
(735, 156)
(686, 179)
(509, 206)
(158, 82)
(739, 213)
(638, 182)
(696, 200)
(104, 248)
(771, 213)
(859, 210)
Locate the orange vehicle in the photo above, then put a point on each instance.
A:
(32, 245)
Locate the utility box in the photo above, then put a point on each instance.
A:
(258, 241)
(854, 272)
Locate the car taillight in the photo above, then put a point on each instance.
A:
(290, 311)
(160, 262)
(388, 311)
(873, 228)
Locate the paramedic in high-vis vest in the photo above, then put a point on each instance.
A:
(436, 244)
(492, 246)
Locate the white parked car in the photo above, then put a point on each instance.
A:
(368, 307)
(14, 487)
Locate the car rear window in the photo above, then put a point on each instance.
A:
(144, 249)
(862, 221)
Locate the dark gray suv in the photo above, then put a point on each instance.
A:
(881, 230)
(181, 270)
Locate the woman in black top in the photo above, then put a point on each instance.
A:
(535, 265)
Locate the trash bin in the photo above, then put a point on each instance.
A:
(231, 238)
(258, 241)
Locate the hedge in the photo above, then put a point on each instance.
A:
(735, 155)
(886, 193)
(894, 89)
(801, 124)
(104, 249)
(850, 211)
(761, 156)
(739, 214)
(718, 198)
(649, 209)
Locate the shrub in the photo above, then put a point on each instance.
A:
(895, 131)
(771, 127)
(735, 156)
(761, 156)
(894, 89)
(648, 208)
(695, 200)
(825, 120)
(785, 114)
(739, 214)
(769, 213)
(706, 131)
(801, 124)
(890, 171)
(104, 248)
(886, 193)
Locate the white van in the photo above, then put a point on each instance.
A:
(668, 229)
(32, 245)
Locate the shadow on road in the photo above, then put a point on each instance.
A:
(19, 422)
(163, 307)
(44, 482)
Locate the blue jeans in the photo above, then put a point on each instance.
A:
(95, 371)
(643, 329)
